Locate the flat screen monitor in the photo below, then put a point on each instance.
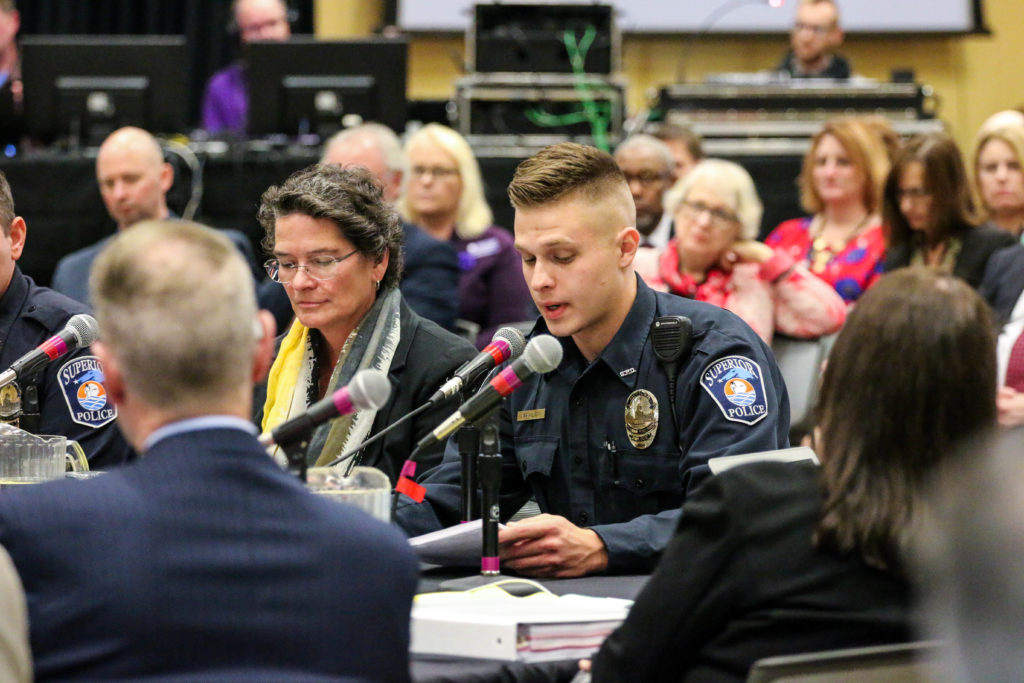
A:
(84, 87)
(307, 86)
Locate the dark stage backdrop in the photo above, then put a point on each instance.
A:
(204, 23)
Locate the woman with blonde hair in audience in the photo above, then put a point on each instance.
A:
(929, 213)
(715, 258)
(841, 186)
(775, 558)
(443, 193)
(999, 178)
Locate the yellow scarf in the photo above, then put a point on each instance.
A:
(284, 375)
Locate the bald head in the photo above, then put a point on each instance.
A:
(262, 20)
(133, 177)
(373, 146)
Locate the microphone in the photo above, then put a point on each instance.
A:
(368, 389)
(506, 344)
(80, 330)
(542, 354)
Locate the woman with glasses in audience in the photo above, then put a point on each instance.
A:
(777, 558)
(714, 257)
(443, 193)
(929, 212)
(337, 250)
(999, 178)
(841, 186)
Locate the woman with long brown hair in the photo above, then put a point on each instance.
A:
(782, 558)
(929, 212)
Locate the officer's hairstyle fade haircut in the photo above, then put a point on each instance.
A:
(8, 6)
(176, 305)
(6, 205)
(566, 169)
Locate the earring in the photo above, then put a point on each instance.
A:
(376, 284)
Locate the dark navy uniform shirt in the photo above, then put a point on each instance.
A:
(565, 441)
(71, 394)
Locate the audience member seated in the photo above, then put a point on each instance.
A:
(715, 258)
(841, 186)
(430, 276)
(928, 211)
(29, 315)
(226, 101)
(649, 168)
(999, 180)
(687, 148)
(1007, 118)
(784, 558)
(134, 180)
(1003, 288)
(336, 246)
(202, 560)
(815, 36)
(12, 123)
(443, 193)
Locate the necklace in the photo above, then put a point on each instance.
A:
(823, 251)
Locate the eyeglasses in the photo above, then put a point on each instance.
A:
(319, 268)
(813, 28)
(720, 218)
(647, 178)
(913, 193)
(438, 172)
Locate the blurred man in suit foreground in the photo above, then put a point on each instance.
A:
(203, 560)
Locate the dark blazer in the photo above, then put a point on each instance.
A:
(426, 356)
(978, 244)
(741, 580)
(71, 276)
(430, 277)
(1003, 282)
(205, 561)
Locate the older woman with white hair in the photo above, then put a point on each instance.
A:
(443, 193)
(714, 258)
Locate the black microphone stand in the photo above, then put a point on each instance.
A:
(468, 438)
(30, 418)
(488, 468)
(295, 452)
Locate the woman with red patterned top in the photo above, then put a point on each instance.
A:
(714, 258)
(841, 185)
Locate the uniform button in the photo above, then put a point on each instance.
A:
(583, 517)
(638, 483)
(578, 402)
(577, 459)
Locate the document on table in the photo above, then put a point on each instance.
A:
(457, 546)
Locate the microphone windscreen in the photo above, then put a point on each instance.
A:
(514, 338)
(543, 354)
(84, 329)
(369, 389)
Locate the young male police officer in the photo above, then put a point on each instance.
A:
(598, 442)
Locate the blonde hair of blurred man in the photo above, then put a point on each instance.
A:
(133, 177)
(816, 34)
(373, 146)
(474, 215)
(261, 20)
(180, 334)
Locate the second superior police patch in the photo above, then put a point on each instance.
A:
(737, 385)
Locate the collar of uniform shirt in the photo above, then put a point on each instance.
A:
(194, 424)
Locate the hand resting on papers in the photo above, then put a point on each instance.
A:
(551, 546)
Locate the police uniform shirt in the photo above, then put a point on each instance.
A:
(597, 443)
(72, 398)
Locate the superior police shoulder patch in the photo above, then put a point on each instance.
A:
(81, 382)
(737, 385)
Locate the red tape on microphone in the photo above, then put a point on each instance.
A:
(409, 487)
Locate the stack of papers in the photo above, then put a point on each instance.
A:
(457, 546)
(492, 624)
